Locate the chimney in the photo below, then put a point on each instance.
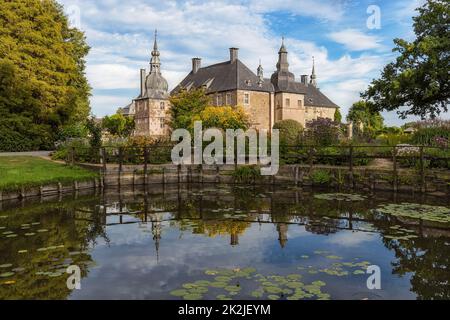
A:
(304, 79)
(233, 54)
(196, 64)
(143, 74)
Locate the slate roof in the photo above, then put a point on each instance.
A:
(235, 75)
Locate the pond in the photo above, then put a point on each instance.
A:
(226, 242)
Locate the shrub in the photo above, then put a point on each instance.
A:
(431, 132)
(322, 132)
(320, 177)
(247, 174)
(290, 131)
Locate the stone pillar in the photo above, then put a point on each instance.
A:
(350, 130)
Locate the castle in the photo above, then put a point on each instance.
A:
(266, 101)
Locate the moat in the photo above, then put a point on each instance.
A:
(226, 242)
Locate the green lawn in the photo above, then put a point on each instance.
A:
(17, 172)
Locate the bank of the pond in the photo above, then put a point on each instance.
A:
(22, 177)
(358, 178)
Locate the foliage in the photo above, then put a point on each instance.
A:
(95, 133)
(159, 150)
(247, 174)
(118, 125)
(223, 117)
(17, 172)
(73, 131)
(320, 177)
(432, 133)
(393, 139)
(185, 105)
(290, 132)
(419, 78)
(361, 112)
(322, 132)
(338, 116)
(42, 82)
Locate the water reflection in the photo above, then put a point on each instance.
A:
(144, 244)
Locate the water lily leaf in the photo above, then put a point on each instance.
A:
(257, 294)
(179, 293)
(192, 296)
(218, 284)
(273, 297)
(7, 274)
(7, 265)
(22, 251)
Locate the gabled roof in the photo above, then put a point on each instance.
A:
(224, 76)
(235, 75)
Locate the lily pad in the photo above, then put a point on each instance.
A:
(7, 274)
(5, 266)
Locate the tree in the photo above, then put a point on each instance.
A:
(337, 116)
(42, 71)
(224, 118)
(118, 125)
(419, 78)
(185, 105)
(322, 132)
(362, 112)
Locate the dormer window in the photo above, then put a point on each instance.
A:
(248, 83)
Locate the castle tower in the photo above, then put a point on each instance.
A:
(313, 74)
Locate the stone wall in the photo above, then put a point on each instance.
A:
(151, 117)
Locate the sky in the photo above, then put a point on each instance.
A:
(350, 41)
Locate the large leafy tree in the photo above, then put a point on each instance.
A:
(419, 78)
(225, 117)
(118, 125)
(185, 105)
(362, 112)
(42, 73)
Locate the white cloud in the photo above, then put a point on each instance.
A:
(121, 36)
(112, 76)
(351, 239)
(356, 40)
(105, 105)
(332, 10)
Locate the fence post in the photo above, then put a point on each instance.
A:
(145, 164)
(72, 156)
(395, 169)
(422, 170)
(104, 165)
(351, 165)
(120, 164)
(311, 158)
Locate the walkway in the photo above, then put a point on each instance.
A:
(26, 154)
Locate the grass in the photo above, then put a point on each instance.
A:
(18, 172)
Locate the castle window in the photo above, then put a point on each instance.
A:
(300, 103)
(288, 103)
(162, 106)
(228, 99)
(246, 98)
(161, 123)
(219, 100)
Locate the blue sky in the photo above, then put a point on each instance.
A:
(348, 54)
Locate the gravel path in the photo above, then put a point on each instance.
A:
(30, 154)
